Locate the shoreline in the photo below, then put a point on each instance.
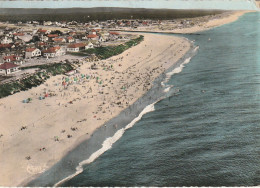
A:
(40, 169)
(224, 18)
(144, 61)
(107, 134)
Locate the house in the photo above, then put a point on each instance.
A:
(48, 23)
(4, 46)
(14, 59)
(32, 52)
(89, 45)
(72, 33)
(18, 34)
(59, 40)
(93, 32)
(44, 38)
(52, 36)
(113, 35)
(101, 39)
(8, 68)
(76, 47)
(92, 37)
(53, 52)
(40, 44)
(43, 31)
(6, 40)
(70, 39)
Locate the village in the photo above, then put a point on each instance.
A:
(23, 45)
(27, 44)
(34, 42)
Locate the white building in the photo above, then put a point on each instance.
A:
(32, 52)
(8, 68)
(53, 52)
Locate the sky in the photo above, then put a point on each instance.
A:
(156, 4)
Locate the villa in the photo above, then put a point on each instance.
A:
(32, 52)
(8, 68)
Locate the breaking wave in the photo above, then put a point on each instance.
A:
(107, 144)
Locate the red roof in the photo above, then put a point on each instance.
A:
(51, 50)
(5, 45)
(92, 36)
(72, 33)
(42, 31)
(52, 35)
(76, 45)
(42, 44)
(69, 38)
(11, 57)
(6, 66)
(30, 49)
(18, 34)
(114, 33)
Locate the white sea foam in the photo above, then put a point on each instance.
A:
(166, 90)
(107, 144)
(178, 69)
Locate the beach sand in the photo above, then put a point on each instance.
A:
(30, 129)
(37, 134)
(225, 18)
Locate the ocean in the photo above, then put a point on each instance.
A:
(201, 129)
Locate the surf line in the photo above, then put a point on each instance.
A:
(107, 144)
(178, 69)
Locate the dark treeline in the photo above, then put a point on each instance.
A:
(89, 14)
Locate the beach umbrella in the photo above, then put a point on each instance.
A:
(41, 98)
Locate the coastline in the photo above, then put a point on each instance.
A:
(23, 177)
(105, 136)
(221, 19)
(44, 119)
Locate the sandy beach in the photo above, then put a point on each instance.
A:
(35, 135)
(44, 130)
(205, 23)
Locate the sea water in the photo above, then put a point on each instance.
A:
(207, 133)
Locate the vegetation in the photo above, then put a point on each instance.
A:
(36, 79)
(53, 69)
(90, 14)
(109, 51)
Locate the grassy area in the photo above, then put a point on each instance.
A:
(36, 79)
(53, 69)
(109, 51)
